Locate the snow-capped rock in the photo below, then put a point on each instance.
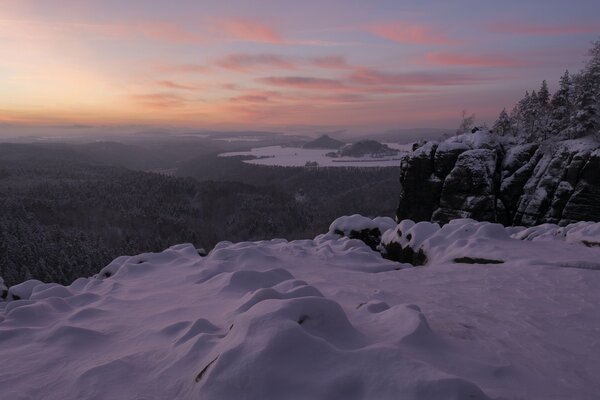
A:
(477, 176)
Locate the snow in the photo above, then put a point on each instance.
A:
(583, 232)
(326, 318)
(347, 224)
(299, 157)
(466, 238)
(481, 139)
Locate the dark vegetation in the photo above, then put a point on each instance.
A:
(573, 111)
(67, 211)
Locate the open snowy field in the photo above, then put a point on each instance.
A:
(317, 319)
(298, 157)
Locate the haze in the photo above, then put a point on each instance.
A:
(279, 65)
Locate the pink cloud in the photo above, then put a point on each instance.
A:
(520, 28)
(174, 85)
(374, 77)
(158, 100)
(251, 31)
(169, 32)
(256, 96)
(449, 59)
(157, 30)
(251, 98)
(184, 68)
(409, 33)
(303, 82)
(332, 62)
(251, 62)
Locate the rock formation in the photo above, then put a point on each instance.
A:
(482, 177)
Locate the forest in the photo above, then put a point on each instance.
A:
(571, 112)
(64, 217)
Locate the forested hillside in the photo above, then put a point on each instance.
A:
(64, 218)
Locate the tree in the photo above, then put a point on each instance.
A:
(504, 124)
(466, 123)
(542, 112)
(586, 107)
(585, 119)
(592, 70)
(544, 95)
(561, 106)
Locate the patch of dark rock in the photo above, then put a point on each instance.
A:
(395, 252)
(371, 237)
(476, 260)
(303, 319)
(205, 369)
(202, 252)
(590, 244)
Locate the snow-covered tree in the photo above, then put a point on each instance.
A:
(503, 125)
(586, 107)
(544, 94)
(585, 119)
(561, 106)
(542, 114)
(466, 123)
(592, 69)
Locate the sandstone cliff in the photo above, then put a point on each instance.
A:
(483, 177)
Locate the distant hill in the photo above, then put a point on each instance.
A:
(323, 142)
(367, 147)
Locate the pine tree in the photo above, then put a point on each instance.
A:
(592, 69)
(585, 119)
(544, 94)
(561, 106)
(586, 108)
(519, 116)
(542, 112)
(530, 116)
(504, 124)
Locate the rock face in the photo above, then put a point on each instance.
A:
(477, 176)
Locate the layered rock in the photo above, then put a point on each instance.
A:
(480, 177)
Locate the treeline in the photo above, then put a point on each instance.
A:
(573, 111)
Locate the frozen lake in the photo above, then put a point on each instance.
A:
(299, 157)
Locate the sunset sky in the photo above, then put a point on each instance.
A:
(285, 65)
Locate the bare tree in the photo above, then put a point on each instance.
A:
(466, 123)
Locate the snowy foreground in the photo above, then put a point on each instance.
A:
(320, 319)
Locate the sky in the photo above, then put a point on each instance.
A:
(281, 65)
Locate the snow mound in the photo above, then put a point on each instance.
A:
(362, 228)
(469, 241)
(326, 318)
(175, 325)
(587, 233)
(357, 223)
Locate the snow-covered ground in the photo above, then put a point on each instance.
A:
(298, 157)
(319, 319)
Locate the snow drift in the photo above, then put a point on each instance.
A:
(318, 319)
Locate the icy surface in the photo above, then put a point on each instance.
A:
(318, 319)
